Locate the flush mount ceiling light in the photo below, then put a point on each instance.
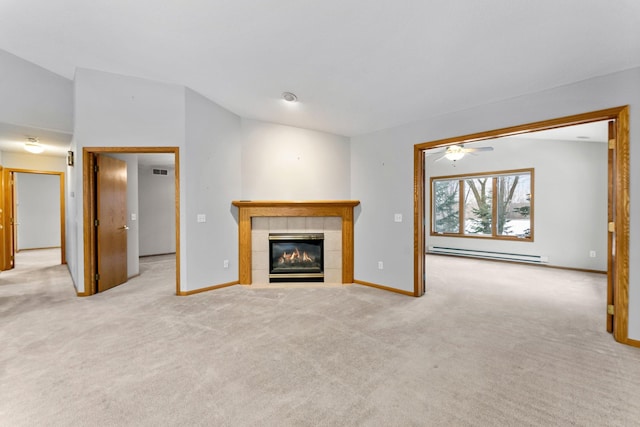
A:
(33, 146)
(289, 97)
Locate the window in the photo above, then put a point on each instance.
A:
(492, 205)
(447, 197)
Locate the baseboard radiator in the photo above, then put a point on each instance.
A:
(504, 256)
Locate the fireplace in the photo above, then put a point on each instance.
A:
(296, 257)
(258, 218)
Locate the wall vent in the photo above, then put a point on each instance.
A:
(160, 172)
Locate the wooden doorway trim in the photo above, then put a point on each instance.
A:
(89, 203)
(618, 191)
(7, 209)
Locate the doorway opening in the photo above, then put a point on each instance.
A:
(618, 204)
(48, 202)
(91, 202)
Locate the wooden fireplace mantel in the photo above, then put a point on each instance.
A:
(248, 209)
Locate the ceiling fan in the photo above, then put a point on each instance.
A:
(457, 152)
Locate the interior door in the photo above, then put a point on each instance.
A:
(3, 234)
(611, 217)
(111, 222)
(9, 221)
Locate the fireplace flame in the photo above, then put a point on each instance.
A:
(294, 256)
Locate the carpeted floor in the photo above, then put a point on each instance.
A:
(490, 344)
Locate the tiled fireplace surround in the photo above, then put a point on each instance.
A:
(256, 219)
(330, 226)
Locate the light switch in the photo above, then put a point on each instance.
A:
(397, 217)
(134, 217)
(202, 218)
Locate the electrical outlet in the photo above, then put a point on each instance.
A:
(225, 263)
(380, 265)
(592, 254)
(397, 217)
(202, 218)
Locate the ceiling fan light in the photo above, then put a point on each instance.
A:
(454, 156)
(455, 152)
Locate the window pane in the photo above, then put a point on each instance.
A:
(477, 206)
(514, 205)
(446, 206)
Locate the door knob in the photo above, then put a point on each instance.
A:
(124, 227)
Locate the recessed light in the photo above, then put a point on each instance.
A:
(289, 97)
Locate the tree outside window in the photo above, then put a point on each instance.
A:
(496, 204)
(447, 198)
(478, 206)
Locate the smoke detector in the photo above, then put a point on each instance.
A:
(289, 97)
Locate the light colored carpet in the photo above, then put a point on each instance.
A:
(490, 344)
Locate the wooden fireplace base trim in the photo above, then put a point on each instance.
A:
(248, 209)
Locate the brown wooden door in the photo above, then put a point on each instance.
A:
(111, 214)
(611, 217)
(4, 259)
(9, 220)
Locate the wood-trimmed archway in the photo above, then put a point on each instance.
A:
(8, 221)
(89, 201)
(618, 196)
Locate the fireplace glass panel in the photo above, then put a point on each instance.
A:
(296, 257)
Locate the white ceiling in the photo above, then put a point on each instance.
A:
(357, 66)
(13, 138)
(588, 132)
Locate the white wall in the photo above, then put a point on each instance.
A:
(33, 96)
(212, 177)
(38, 200)
(119, 111)
(133, 196)
(382, 172)
(73, 202)
(39, 162)
(157, 219)
(570, 198)
(287, 163)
